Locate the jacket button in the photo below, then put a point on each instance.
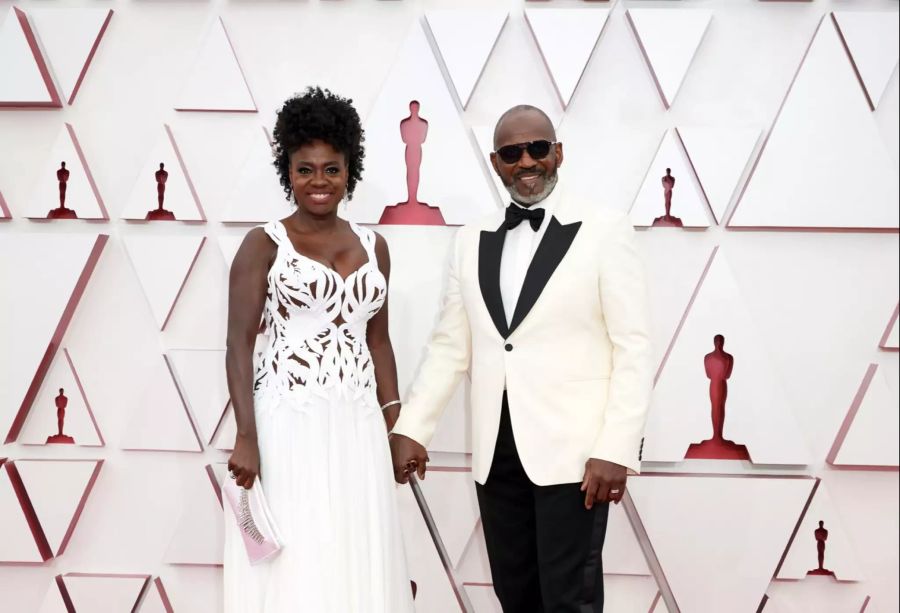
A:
(509, 347)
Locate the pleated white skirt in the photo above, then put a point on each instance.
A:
(327, 476)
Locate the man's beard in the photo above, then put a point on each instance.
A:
(529, 199)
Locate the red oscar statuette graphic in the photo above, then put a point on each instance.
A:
(59, 438)
(821, 535)
(413, 131)
(719, 366)
(667, 220)
(61, 212)
(159, 213)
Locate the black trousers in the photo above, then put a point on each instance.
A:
(544, 547)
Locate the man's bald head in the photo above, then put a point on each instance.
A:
(523, 117)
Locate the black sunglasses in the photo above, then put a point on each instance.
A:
(537, 150)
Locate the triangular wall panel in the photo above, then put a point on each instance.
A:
(704, 527)
(198, 537)
(719, 156)
(872, 40)
(62, 389)
(81, 193)
(157, 600)
(179, 195)
(669, 39)
(105, 592)
(59, 490)
(26, 81)
(216, 81)
(688, 206)
(867, 437)
(21, 539)
(465, 39)
(824, 163)
(56, 268)
(818, 595)
(70, 38)
(163, 265)
(159, 418)
(566, 38)
(200, 375)
(801, 559)
(54, 601)
(461, 196)
(758, 412)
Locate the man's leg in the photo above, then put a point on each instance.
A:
(570, 543)
(506, 501)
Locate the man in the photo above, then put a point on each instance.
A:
(550, 318)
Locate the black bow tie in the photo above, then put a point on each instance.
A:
(516, 215)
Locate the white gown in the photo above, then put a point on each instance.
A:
(325, 461)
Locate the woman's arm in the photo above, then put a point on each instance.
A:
(379, 341)
(246, 297)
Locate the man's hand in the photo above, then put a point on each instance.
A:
(603, 482)
(408, 456)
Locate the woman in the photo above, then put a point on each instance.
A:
(311, 417)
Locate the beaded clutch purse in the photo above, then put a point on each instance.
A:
(254, 520)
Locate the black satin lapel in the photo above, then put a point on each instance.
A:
(490, 249)
(556, 242)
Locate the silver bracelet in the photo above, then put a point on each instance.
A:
(389, 404)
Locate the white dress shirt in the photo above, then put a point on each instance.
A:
(518, 250)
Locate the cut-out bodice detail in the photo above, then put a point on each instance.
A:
(316, 322)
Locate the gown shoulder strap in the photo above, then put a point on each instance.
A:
(367, 238)
(275, 230)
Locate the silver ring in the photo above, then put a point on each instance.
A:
(614, 491)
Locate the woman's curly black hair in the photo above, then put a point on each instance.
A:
(318, 114)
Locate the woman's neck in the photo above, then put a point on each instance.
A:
(306, 222)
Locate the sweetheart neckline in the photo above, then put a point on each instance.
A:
(325, 267)
(331, 270)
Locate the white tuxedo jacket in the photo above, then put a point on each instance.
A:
(575, 358)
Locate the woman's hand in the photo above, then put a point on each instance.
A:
(244, 461)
